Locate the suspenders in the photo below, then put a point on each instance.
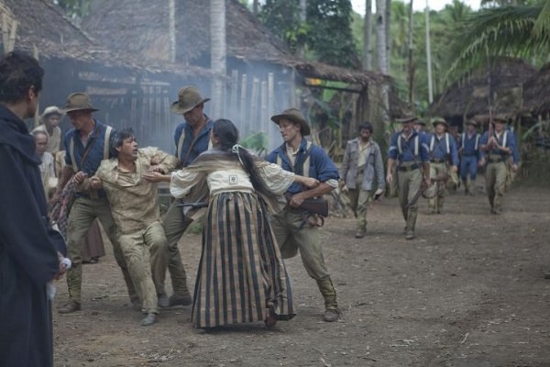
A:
(182, 140)
(305, 166)
(106, 144)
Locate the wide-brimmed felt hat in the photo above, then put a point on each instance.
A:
(188, 98)
(407, 118)
(471, 122)
(293, 114)
(50, 110)
(439, 120)
(501, 118)
(419, 121)
(78, 101)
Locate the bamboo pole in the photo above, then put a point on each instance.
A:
(233, 92)
(270, 108)
(242, 109)
(263, 109)
(254, 104)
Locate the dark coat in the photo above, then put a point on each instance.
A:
(28, 251)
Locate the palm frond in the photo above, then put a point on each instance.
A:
(542, 24)
(506, 31)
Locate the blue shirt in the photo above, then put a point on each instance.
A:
(404, 150)
(95, 155)
(470, 144)
(509, 143)
(321, 166)
(201, 143)
(443, 149)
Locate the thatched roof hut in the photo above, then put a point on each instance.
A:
(470, 98)
(536, 93)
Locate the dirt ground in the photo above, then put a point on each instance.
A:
(467, 292)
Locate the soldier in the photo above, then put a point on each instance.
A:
(362, 162)
(469, 151)
(496, 149)
(86, 145)
(295, 229)
(141, 236)
(443, 153)
(420, 127)
(50, 119)
(192, 137)
(410, 154)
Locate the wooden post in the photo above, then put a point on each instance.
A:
(253, 118)
(242, 109)
(234, 91)
(270, 109)
(263, 111)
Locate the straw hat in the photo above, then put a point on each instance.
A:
(78, 101)
(188, 98)
(293, 114)
(471, 122)
(501, 118)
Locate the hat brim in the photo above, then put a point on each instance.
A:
(407, 120)
(435, 123)
(304, 126)
(67, 110)
(176, 108)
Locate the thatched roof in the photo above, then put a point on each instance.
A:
(471, 96)
(536, 92)
(42, 25)
(141, 28)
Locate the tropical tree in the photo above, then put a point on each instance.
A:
(520, 30)
(367, 37)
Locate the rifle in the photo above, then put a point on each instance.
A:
(317, 206)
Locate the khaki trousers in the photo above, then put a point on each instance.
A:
(359, 200)
(495, 183)
(175, 224)
(83, 213)
(409, 183)
(436, 203)
(292, 235)
(139, 249)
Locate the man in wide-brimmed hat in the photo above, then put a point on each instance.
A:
(408, 155)
(295, 229)
(496, 150)
(191, 137)
(469, 156)
(50, 119)
(86, 145)
(443, 161)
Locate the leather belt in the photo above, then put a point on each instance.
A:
(435, 160)
(410, 168)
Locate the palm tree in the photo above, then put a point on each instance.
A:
(367, 37)
(520, 30)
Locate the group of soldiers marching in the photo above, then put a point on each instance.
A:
(422, 163)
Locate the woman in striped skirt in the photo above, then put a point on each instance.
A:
(241, 276)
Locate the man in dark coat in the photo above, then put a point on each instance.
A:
(30, 250)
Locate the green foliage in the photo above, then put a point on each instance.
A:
(326, 35)
(257, 142)
(74, 8)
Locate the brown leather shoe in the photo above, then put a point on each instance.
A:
(331, 315)
(180, 301)
(409, 235)
(69, 307)
(360, 233)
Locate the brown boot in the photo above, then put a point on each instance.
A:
(360, 233)
(332, 313)
(69, 307)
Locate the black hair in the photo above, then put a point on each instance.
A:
(118, 139)
(227, 132)
(366, 126)
(19, 72)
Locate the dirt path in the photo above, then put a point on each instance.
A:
(468, 291)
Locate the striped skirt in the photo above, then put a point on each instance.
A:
(241, 276)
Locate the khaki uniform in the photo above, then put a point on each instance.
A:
(436, 203)
(495, 182)
(409, 183)
(141, 236)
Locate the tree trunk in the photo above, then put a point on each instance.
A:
(255, 7)
(429, 56)
(388, 36)
(172, 29)
(301, 52)
(382, 48)
(218, 55)
(367, 37)
(411, 62)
